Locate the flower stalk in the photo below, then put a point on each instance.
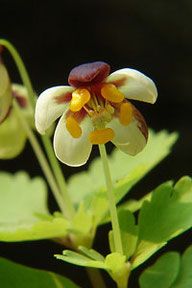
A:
(111, 198)
(69, 208)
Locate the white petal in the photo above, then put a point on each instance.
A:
(134, 85)
(50, 105)
(72, 151)
(129, 139)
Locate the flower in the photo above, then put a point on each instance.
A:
(95, 110)
(12, 135)
(5, 92)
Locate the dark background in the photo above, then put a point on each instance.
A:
(154, 37)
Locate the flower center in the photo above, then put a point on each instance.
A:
(100, 102)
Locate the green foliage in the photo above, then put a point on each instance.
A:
(24, 214)
(184, 277)
(169, 271)
(23, 209)
(167, 215)
(81, 260)
(126, 171)
(113, 263)
(18, 276)
(163, 273)
(129, 233)
(130, 169)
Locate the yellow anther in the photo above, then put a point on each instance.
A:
(101, 136)
(126, 113)
(73, 127)
(79, 98)
(111, 93)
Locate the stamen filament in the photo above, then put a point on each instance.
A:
(95, 99)
(87, 110)
(101, 103)
(93, 105)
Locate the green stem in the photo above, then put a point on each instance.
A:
(70, 211)
(46, 141)
(111, 198)
(41, 158)
(21, 67)
(95, 278)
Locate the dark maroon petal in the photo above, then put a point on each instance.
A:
(88, 74)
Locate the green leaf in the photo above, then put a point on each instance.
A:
(168, 212)
(18, 276)
(22, 200)
(114, 263)
(126, 171)
(170, 270)
(12, 136)
(163, 273)
(81, 260)
(82, 227)
(184, 279)
(129, 233)
(91, 253)
(167, 215)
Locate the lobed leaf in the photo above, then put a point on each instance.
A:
(126, 171)
(163, 273)
(23, 209)
(167, 215)
(81, 260)
(184, 278)
(170, 271)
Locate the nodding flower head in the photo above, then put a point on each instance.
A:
(5, 92)
(95, 109)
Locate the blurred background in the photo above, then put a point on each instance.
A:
(154, 37)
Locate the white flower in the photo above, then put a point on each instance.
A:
(95, 110)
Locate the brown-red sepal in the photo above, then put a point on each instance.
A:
(88, 74)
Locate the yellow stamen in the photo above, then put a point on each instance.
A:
(79, 98)
(101, 136)
(111, 93)
(126, 113)
(73, 127)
